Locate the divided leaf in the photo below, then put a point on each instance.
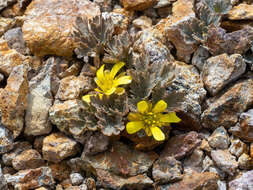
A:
(109, 112)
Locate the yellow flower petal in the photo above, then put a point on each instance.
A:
(120, 91)
(116, 68)
(100, 73)
(134, 126)
(142, 106)
(148, 131)
(110, 91)
(98, 90)
(134, 117)
(157, 133)
(86, 98)
(122, 80)
(169, 118)
(160, 107)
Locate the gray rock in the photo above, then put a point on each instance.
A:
(225, 161)
(221, 185)
(195, 160)
(163, 3)
(188, 82)
(208, 165)
(225, 108)
(6, 140)
(14, 38)
(40, 99)
(245, 162)
(220, 70)
(76, 178)
(199, 57)
(237, 147)
(96, 143)
(1, 77)
(3, 183)
(219, 139)
(166, 170)
(244, 182)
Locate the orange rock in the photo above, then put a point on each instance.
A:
(138, 5)
(241, 12)
(49, 24)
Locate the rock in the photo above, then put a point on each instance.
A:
(220, 70)
(237, 147)
(40, 99)
(208, 165)
(68, 116)
(181, 145)
(6, 140)
(225, 109)
(73, 87)
(96, 143)
(196, 181)
(1, 77)
(251, 150)
(14, 38)
(3, 183)
(163, 3)
(48, 25)
(18, 148)
(13, 100)
(13, 11)
(38, 143)
(219, 139)
(90, 182)
(57, 147)
(244, 182)
(194, 161)
(222, 185)
(182, 16)
(28, 159)
(110, 180)
(6, 3)
(60, 171)
(76, 178)
(138, 5)
(31, 178)
(142, 22)
(6, 24)
(74, 69)
(167, 170)
(241, 12)
(120, 160)
(205, 146)
(244, 129)
(225, 161)
(9, 58)
(245, 162)
(188, 82)
(237, 42)
(199, 57)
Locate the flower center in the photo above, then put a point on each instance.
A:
(151, 119)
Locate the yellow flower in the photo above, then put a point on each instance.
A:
(108, 83)
(150, 119)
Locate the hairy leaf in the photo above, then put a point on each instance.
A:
(118, 48)
(109, 112)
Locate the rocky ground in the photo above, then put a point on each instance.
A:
(44, 139)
